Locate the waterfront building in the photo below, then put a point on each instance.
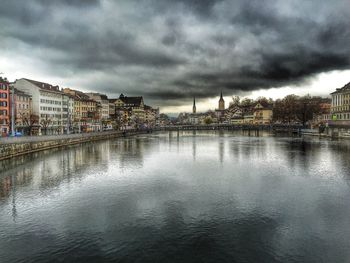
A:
(86, 112)
(24, 121)
(111, 110)
(68, 106)
(340, 106)
(151, 116)
(131, 110)
(4, 107)
(234, 115)
(47, 105)
(248, 117)
(262, 113)
(102, 99)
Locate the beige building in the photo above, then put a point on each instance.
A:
(131, 109)
(86, 112)
(102, 99)
(262, 113)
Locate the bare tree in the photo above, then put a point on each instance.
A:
(235, 101)
(45, 123)
(30, 121)
(293, 108)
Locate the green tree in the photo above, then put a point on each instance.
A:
(208, 120)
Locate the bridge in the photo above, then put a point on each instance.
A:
(294, 128)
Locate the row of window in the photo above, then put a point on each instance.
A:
(50, 101)
(49, 108)
(22, 98)
(88, 109)
(23, 106)
(49, 94)
(54, 116)
(343, 116)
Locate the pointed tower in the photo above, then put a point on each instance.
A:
(194, 105)
(221, 102)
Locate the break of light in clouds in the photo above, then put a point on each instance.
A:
(171, 50)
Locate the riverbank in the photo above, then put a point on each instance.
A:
(16, 146)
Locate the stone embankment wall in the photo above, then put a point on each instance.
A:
(11, 147)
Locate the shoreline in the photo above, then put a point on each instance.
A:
(18, 146)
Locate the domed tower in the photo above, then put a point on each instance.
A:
(221, 102)
(194, 109)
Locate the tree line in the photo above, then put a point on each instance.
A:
(290, 109)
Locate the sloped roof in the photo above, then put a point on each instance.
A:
(264, 104)
(96, 94)
(132, 100)
(79, 95)
(43, 85)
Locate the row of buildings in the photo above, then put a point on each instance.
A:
(333, 112)
(41, 108)
(256, 113)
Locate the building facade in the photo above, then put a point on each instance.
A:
(47, 105)
(25, 123)
(102, 99)
(86, 116)
(131, 110)
(262, 113)
(340, 106)
(4, 107)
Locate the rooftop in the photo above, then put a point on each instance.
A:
(345, 88)
(43, 85)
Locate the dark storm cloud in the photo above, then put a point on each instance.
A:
(172, 50)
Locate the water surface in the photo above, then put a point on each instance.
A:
(179, 197)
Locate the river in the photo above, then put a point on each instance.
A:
(179, 197)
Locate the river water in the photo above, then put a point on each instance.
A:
(179, 197)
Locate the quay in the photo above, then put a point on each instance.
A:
(16, 146)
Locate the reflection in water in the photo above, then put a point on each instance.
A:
(181, 196)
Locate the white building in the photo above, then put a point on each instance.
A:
(340, 108)
(49, 104)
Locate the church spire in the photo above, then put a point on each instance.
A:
(221, 102)
(194, 105)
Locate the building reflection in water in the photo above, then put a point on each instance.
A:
(46, 170)
(194, 145)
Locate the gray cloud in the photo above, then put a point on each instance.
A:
(169, 51)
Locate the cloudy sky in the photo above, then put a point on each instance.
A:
(171, 50)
